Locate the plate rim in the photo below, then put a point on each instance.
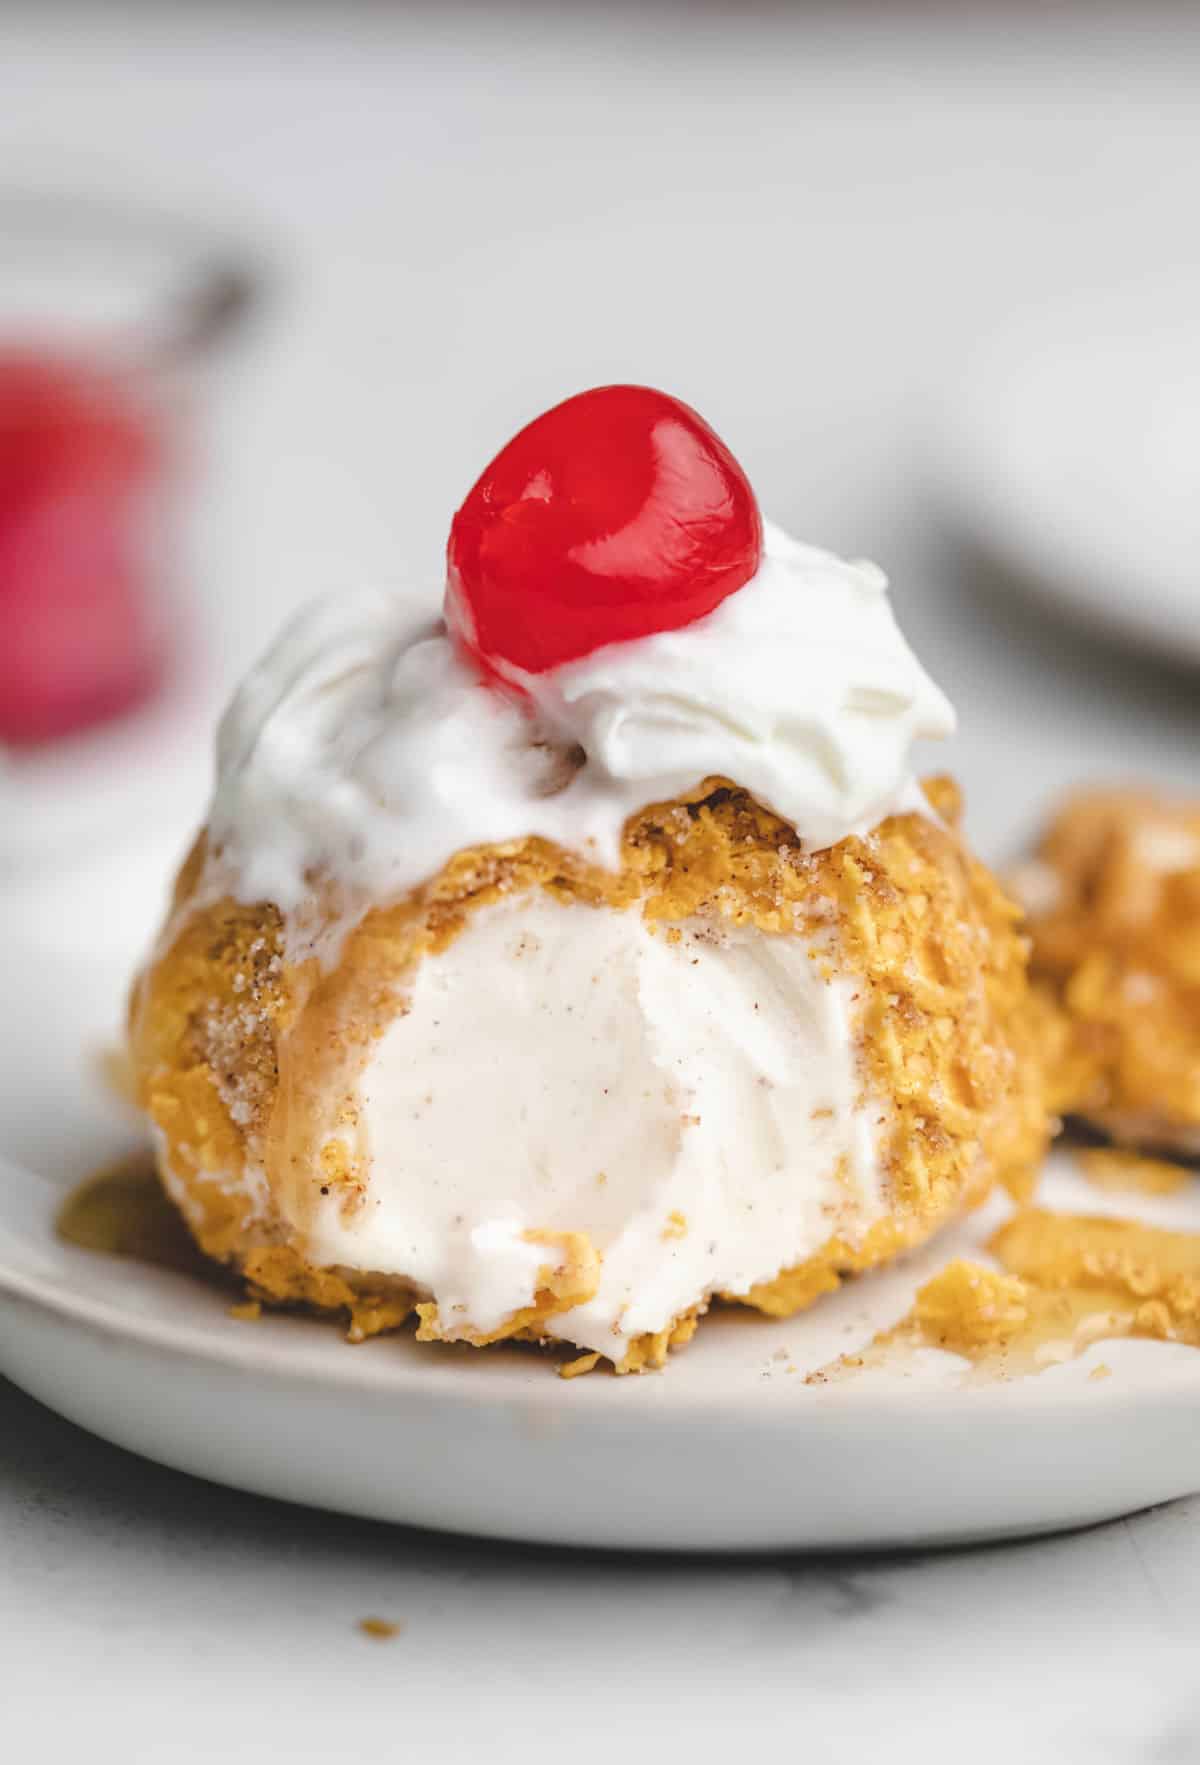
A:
(458, 1381)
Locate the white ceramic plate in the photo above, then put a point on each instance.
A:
(1071, 455)
(727, 1449)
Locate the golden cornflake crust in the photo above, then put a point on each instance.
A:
(243, 1058)
(968, 1309)
(1066, 1281)
(572, 1278)
(1121, 1172)
(1114, 900)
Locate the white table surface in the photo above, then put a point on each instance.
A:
(800, 221)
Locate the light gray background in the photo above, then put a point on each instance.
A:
(801, 221)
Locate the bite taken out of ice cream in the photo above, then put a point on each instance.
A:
(556, 966)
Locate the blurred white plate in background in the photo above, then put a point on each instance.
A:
(728, 1449)
(1070, 456)
(89, 792)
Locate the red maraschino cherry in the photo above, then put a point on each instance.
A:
(614, 515)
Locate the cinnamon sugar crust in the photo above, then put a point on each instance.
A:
(1114, 898)
(245, 1058)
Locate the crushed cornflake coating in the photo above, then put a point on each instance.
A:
(1121, 1172)
(1113, 895)
(1153, 1273)
(229, 1038)
(381, 1629)
(571, 1278)
(967, 1308)
(583, 1363)
(1066, 1281)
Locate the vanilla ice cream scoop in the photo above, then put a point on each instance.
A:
(689, 1102)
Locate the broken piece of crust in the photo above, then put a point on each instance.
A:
(236, 1048)
(1066, 1282)
(1113, 896)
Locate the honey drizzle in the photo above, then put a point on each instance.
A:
(122, 1210)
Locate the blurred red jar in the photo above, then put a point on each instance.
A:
(108, 320)
(82, 468)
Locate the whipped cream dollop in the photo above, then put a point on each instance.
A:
(365, 746)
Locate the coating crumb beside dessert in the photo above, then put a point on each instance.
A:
(1065, 1282)
(1113, 898)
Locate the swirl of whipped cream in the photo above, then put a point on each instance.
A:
(799, 687)
(364, 747)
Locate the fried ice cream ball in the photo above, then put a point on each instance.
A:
(538, 1100)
